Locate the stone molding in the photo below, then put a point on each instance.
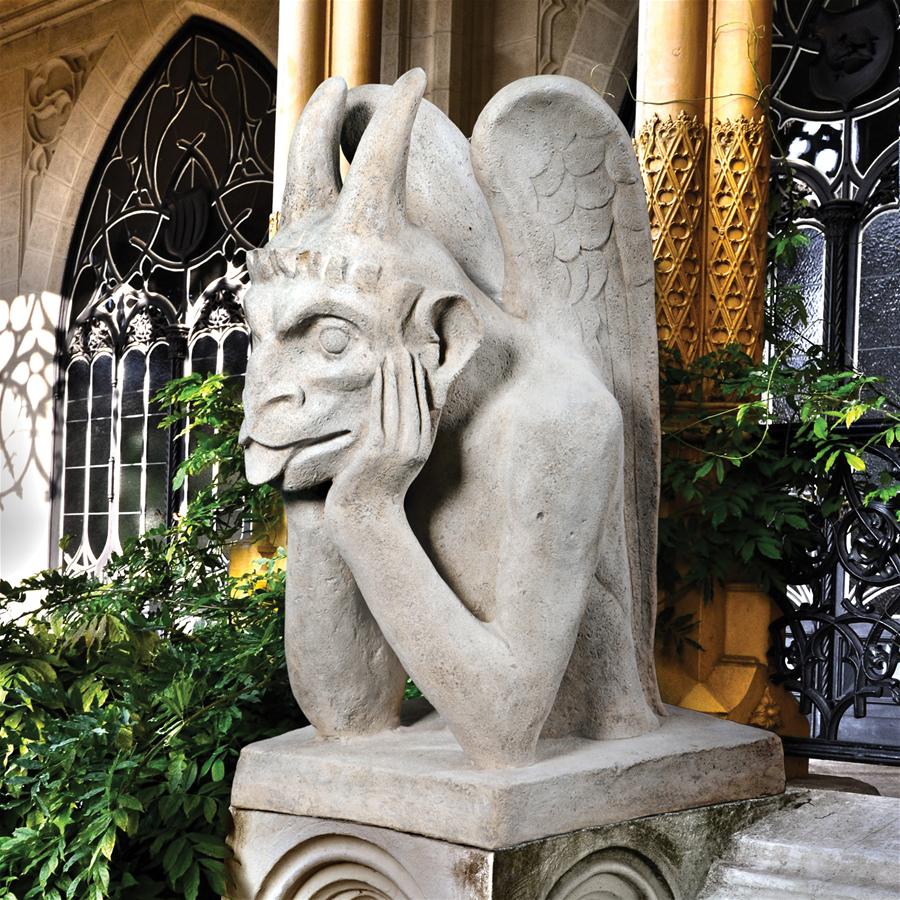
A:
(29, 17)
(552, 42)
(671, 152)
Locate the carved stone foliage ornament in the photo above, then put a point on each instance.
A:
(52, 92)
(671, 153)
(454, 384)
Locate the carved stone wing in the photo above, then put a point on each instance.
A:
(560, 176)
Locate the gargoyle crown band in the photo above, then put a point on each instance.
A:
(336, 269)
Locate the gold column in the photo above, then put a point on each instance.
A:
(670, 142)
(302, 35)
(701, 142)
(356, 41)
(738, 173)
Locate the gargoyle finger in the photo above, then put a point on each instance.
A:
(424, 411)
(409, 409)
(376, 428)
(390, 411)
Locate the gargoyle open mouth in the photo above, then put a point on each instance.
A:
(265, 462)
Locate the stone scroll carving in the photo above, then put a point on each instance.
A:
(454, 384)
(52, 92)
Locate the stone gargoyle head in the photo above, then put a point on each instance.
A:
(347, 282)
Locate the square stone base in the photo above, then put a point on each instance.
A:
(416, 779)
(667, 857)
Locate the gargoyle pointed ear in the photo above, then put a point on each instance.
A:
(373, 199)
(445, 331)
(313, 178)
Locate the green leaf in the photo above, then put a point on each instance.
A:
(855, 463)
(108, 842)
(217, 771)
(191, 882)
(831, 459)
(820, 427)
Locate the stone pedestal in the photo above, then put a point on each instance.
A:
(404, 815)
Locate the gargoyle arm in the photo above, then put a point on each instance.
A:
(343, 673)
(548, 554)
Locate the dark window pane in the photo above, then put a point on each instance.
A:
(100, 434)
(77, 379)
(234, 358)
(157, 440)
(98, 490)
(72, 526)
(74, 491)
(76, 437)
(129, 527)
(130, 489)
(157, 492)
(133, 369)
(808, 275)
(880, 246)
(160, 368)
(101, 386)
(884, 362)
(204, 356)
(160, 375)
(132, 440)
(98, 525)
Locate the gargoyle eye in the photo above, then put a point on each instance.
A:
(334, 340)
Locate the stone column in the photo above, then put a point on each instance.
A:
(670, 139)
(301, 67)
(356, 40)
(738, 173)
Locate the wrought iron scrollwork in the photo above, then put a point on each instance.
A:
(837, 644)
(836, 110)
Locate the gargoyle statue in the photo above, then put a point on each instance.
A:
(453, 382)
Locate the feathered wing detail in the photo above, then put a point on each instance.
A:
(560, 176)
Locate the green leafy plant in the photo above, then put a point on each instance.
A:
(124, 700)
(745, 475)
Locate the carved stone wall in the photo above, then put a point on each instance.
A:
(672, 157)
(471, 48)
(738, 190)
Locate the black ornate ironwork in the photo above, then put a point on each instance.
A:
(837, 644)
(835, 103)
(836, 110)
(154, 283)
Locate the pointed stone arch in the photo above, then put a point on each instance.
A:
(119, 67)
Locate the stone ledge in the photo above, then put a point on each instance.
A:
(416, 779)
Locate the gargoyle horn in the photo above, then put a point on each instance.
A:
(313, 178)
(373, 199)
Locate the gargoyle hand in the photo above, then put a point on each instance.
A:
(399, 440)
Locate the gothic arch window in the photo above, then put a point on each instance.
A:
(155, 278)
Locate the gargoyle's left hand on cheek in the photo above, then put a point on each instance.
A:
(398, 442)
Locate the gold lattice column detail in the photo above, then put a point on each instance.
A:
(738, 174)
(739, 179)
(671, 153)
